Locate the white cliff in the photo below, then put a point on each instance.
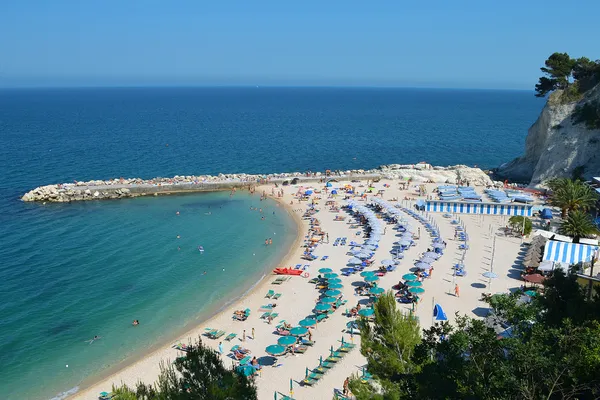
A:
(556, 147)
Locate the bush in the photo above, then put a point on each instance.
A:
(587, 113)
(516, 223)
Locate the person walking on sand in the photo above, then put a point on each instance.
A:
(221, 347)
(253, 334)
(456, 290)
(345, 386)
(244, 336)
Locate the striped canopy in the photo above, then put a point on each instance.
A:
(568, 253)
(478, 208)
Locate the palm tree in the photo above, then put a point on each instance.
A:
(578, 224)
(571, 195)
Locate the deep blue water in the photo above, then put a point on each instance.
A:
(69, 272)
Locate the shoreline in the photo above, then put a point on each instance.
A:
(87, 384)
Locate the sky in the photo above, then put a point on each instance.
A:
(417, 43)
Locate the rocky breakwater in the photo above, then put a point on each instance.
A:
(124, 188)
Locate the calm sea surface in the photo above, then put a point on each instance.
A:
(72, 271)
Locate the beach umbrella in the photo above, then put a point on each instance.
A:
(369, 247)
(308, 192)
(490, 275)
(299, 331)
(334, 191)
(531, 293)
(438, 246)
(367, 273)
(431, 254)
(371, 278)
(363, 255)
(325, 270)
(334, 280)
(331, 275)
(328, 300)
(416, 290)
(287, 340)
(354, 261)
(333, 293)
(323, 307)
(376, 290)
(427, 260)
(414, 284)
(422, 265)
(275, 350)
(366, 312)
(409, 277)
(306, 322)
(335, 286)
(328, 184)
(405, 243)
(387, 262)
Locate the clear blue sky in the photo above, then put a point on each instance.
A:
(431, 43)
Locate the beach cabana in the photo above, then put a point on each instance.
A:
(439, 314)
(568, 253)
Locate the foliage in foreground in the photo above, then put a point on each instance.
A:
(200, 375)
(553, 352)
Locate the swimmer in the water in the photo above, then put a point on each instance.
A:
(136, 322)
(177, 213)
(204, 273)
(94, 339)
(178, 237)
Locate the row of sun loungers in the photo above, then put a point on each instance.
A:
(315, 375)
(280, 280)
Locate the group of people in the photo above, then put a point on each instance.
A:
(268, 241)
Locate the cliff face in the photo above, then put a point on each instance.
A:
(555, 147)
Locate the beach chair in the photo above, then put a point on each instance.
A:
(276, 296)
(346, 347)
(314, 280)
(230, 337)
(105, 396)
(269, 294)
(267, 307)
(307, 342)
(321, 317)
(265, 315)
(210, 332)
(298, 266)
(217, 334)
(312, 379)
(274, 315)
(301, 349)
(324, 258)
(245, 360)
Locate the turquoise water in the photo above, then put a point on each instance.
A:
(98, 266)
(69, 272)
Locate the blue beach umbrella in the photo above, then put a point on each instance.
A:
(354, 261)
(366, 312)
(334, 280)
(325, 270)
(307, 322)
(287, 340)
(328, 184)
(298, 331)
(367, 273)
(409, 277)
(333, 293)
(416, 290)
(414, 284)
(371, 278)
(422, 265)
(377, 290)
(331, 275)
(334, 191)
(275, 350)
(491, 275)
(387, 262)
(335, 286)
(328, 300)
(323, 307)
(308, 192)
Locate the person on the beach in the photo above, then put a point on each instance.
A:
(253, 334)
(269, 319)
(309, 335)
(244, 336)
(345, 386)
(456, 290)
(221, 347)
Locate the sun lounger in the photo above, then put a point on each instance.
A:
(274, 315)
(332, 359)
(305, 267)
(210, 332)
(312, 379)
(230, 337)
(269, 294)
(346, 347)
(298, 266)
(324, 258)
(276, 296)
(307, 342)
(182, 347)
(265, 315)
(245, 360)
(299, 349)
(106, 396)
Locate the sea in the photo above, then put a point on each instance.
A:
(69, 272)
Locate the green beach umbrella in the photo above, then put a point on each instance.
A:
(328, 300)
(299, 331)
(275, 349)
(331, 275)
(409, 277)
(307, 322)
(376, 290)
(366, 312)
(322, 307)
(333, 293)
(416, 290)
(367, 273)
(286, 340)
(325, 270)
(372, 278)
(334, 280)
(335, 286)
(414, 284)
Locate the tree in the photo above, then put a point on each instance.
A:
(579, 225)
(587, 73)
(571, 195)
(521, 224)
(200, 375)
(388, 344)
(559, 67)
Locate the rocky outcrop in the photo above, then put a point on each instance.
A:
(124, 188)
(555, 147)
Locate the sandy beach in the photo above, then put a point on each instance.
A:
(488, 248)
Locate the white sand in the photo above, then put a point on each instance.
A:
(298, 298)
